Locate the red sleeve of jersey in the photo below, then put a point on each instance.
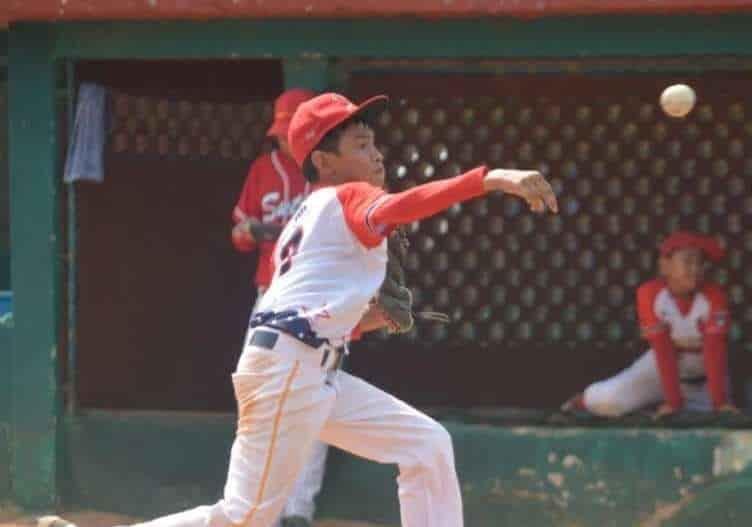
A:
(656, 333)
(372, 214)
(714, 346)
(668, 368)
(649, 321)
(356, 200)
(248, 206)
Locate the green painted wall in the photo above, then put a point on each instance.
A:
(5, 356)
(5, 336)
(35, 260)
(510, 475)
(4, 190)
(576, 37)
(311, 73)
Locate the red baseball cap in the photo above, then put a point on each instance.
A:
(686, 239)
(317, 116)
(284, 108)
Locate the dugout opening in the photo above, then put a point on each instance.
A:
(541, 306)
(163, 296)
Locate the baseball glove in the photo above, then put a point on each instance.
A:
(394, 300)
(264, 232)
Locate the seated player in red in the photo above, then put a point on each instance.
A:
(685, 320)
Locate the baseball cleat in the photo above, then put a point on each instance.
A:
(53, 521)
(576, 403)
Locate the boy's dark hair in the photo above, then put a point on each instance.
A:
(329, 143)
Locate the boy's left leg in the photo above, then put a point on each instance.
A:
(635, 387)
(283, 401)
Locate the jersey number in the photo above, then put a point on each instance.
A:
(288, 250)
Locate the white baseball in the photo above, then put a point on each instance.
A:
(678, 100)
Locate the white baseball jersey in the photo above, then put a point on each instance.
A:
(687, 320)
(693, 325)
(328, 262)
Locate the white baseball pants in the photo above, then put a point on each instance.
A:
(302, 498)
(640, 385)
(286, 400)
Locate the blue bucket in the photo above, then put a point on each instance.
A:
(6, 302)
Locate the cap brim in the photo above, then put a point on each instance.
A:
(369, 109)
(279, 128)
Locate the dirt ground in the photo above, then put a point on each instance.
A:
(11, 517)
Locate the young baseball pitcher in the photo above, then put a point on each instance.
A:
(273, 191)
(329, 263)
(685, 320)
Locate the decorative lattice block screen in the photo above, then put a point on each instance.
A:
(151, 126)
(626, 175)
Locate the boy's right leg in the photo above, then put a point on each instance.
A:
(282, 404)
(635, 387)
(373, 424)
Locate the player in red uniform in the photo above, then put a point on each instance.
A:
(273, 190)
(685, 320)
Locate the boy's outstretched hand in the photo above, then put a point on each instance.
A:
(529, 185)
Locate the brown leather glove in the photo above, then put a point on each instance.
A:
(394, 299)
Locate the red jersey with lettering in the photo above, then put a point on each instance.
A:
(677, 325)
(273, 190)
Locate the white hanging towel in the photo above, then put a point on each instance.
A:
(85, 158)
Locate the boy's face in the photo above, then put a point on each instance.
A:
(683, 270)
(357, 158)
